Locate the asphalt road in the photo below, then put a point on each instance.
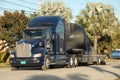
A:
(91, 72)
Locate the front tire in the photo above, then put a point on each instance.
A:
(46, 64)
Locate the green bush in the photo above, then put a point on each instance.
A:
(118, 79)
(0, 57)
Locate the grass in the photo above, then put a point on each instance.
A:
(4, 65)
(117, 79)
(111, 60)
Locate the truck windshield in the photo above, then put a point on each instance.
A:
(34, 34)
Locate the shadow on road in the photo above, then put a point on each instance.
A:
(102, 70)
(38, 68)
(77, 77)
(44, 77)
(118, 66)
(52, 67)
(48, 77)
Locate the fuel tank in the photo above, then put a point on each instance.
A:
(76, 37)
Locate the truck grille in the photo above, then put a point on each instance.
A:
(23, 50)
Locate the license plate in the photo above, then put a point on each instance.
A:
(23, 62)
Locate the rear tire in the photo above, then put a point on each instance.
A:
(75, 64)
(70, 62)
(99, 61)
(104, 62)
(46, 64)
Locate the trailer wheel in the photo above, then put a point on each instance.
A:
(99, 61)
(46, 64)
(104, 62)
(75, 61)
(14, 68)
(70, 62)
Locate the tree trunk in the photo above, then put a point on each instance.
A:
(95, 44)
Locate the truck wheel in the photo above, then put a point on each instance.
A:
(14, 68)
(99, 61)
(75, 61)
(46, 64)
(104, 62)
(70, 62)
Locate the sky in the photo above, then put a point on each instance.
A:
(31, 6)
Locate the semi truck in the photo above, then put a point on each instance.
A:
(49, 41)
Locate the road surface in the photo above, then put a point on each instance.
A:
(91, 72)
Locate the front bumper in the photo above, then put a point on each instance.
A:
(28, 62)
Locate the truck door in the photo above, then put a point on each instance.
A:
(60, 56)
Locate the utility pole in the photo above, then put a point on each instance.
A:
(39, 10)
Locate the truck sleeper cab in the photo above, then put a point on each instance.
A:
(43, 44)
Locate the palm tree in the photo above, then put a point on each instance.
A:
(100, 21)
(58, 9)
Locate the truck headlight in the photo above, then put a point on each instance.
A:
(12, 56)
(38, 55)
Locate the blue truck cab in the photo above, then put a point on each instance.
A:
(43, 44)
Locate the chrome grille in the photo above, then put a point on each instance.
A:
(23, 50)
